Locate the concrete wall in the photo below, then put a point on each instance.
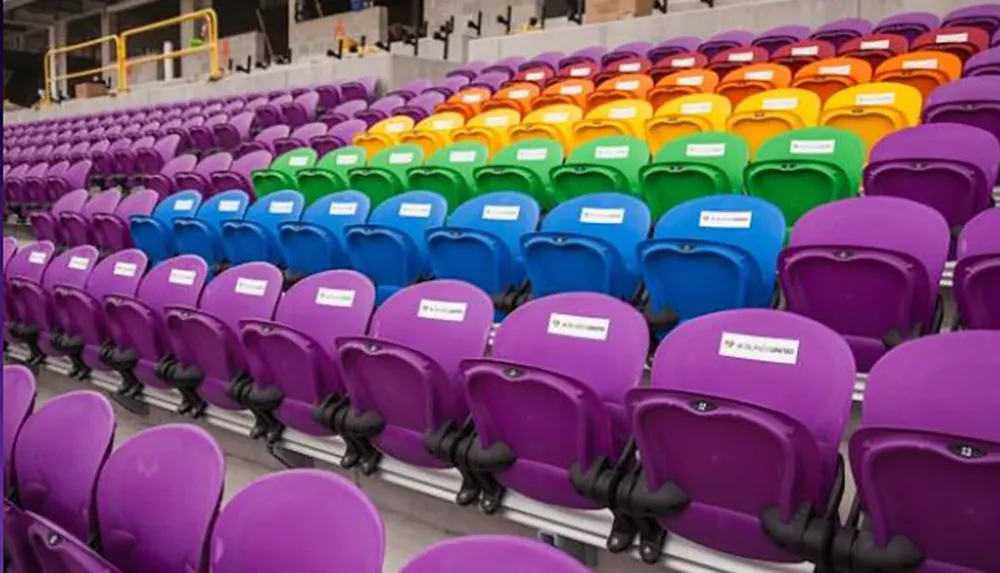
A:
(437, 13)
(315, 37)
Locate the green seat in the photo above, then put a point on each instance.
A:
(710, 163)
(386, 174)
(523, 166)
(329, 175)
(804, 168)
(282, 175)
(450, 171)
(605, 164)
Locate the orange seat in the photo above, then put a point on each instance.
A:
(467, 102)
(682, 83)
(572, 91)
(677, 63)
(517, 96)
(490, 128)
(827, 77)
(735, 58)
(745, 82)
(963, 41)
(926, 70)
(628, 86)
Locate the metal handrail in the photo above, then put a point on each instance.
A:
(48, 64)
(211, 45)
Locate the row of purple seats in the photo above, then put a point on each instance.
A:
(102, 219)
(323, 137)
(70, 486)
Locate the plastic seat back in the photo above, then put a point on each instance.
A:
(797, 55)
(434, 132)
(624, 86)
(682, 83)
(387, 173)
(607, 164)
(450, 171)
(615, 118)
(490, 128)
(28, 264)
(492, 554)
(909, 25)
(924, 70)
(976, 273)
(516, 97)
(873, 110)
(384, 134)
(687, 115)
(110, 231)
(330, 173)
(829, 76)
(282, 175)
(961, 41)
(753, 79)
(47, 225)
(875, 48)
(763, 116)
(732, 59)
(19, 392)
(202, 234)
(971, 101)
(523, 167)
(316, 242)
(571, 91)
(255, 237)
(551, 122)
(678, 62)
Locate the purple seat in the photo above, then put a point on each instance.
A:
(412, 88)
(77, 224)
(367, 88)
(293, 359)
(19, 394)
(493, 554)
(201, 137)
(985, 16)
(301, 137)
(590, 54)
(996, 40)
(338, 136)
(625, 51)
(775, 38)
(181, 463)
(164, 182)
(323, 503)
(12, 182)
(343, 112)
(263, 140)
(61, 151)
(673, 46)
(270, 113)
(489, 80)
(238, 174)
(869, 268)
(380, 109)
(60, 451)
(970, 101)
(977, 272)
(949, 167)
(422, 106)
(228, 136)
(739, 389)
(75, 177)
(985, 63)
(200, 178)
(124, 157)
(149, 160)
(548, 60)
(725, 41)
(34, 179)
(211, 362)
(910, 25)
(507, 66)
(469, 70)
(47, 224)
(36, 189)
(420, 334)
(551, 396)
(839, 32)
(110, 231)
(301, 110)
(29, 265)
(923, 449)
(329, 97)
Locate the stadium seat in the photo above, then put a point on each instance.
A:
(391, 248)
(47, 225)
(302, 136)
(516, 97)
(200, 178)
(975, 277)
(873, 110)
(264, 140)
(434, 132)
(201, 234)
(77, 224)
(323, 503)
(985, 16)
(490, 128)
(924, 70)
(616, 118)
(550, 122)
(330, 173)
(523, 167)
(110, 231)
(971, 101)
(171, 536)
(450, 172)
(800, 54)
(316, 242)
(387, 173)
(753, 79)
(28, 264)
(725, 41)
(165, 181)
(804, 168)
(381, 110)
(763, 116)
(687, 115)
(339, 135)
(679, 62)
(255, 236)
(571, 91)
(921, 438)
(19, 393)
(874, 49)
(691, 167)
(908, 25)
(829, 76)
(607, 164)
(283, 172)
(588, 244)
(481, 244)
(673, 46)
(626, 86)
(869, 268)
(384, 134)
(985, 63)
(466, 103)
(682, 83)
(240, 173)
(776, 38)
(56, 477)
(492, 554)
(961, 41)
(732, 390)
(728, 61)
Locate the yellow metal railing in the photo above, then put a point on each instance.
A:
(211, 45)
(51, 79)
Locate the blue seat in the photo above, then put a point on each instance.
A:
(391, 249)
(316, 242)
(588, 244)
(255, 237)
(481, 242)
(713, 253)
(202, 234)
(154, 234)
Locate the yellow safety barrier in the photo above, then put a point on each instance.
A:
(47, 64)
(211, 45)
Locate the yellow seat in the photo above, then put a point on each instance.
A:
(491, 128)
(383, 134)
(551, 122)
(434, 132)
(873, 110)
(619, 117)
(762, 116)
(687, 115)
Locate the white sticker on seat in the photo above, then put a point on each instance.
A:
(627, 85)
(400, 158)
(342, 298)
(691, 81)
(184, 205)
(741, 57)
(759, 76)
(343, 209)
(706, 150)
(472, 98)
(395, 127)
(415, 210)
(579, 72)
(532, 154)
(629, 68)
(682, 63)
(467, 156)
(622, 113)
(518, 94)
(773, 104)
(123, 269)
(252, 287)
(759, 348)
(805, 51)
(348, 159)
(501, 212)
(442, 310)
(602, 216)
(534, 76)
(951, 38)
(928, 64)
(612, 152)
(281, 207)
(725, 219)
(442, 124)
(38, 257)
(586, 327)
(496, 121)
(835, 70)
(556, 117)
(812, 147)
(875, 45)
(298, 161)
(574, 89)
(696, 108)
(78, 263)
(182, 277)
(875, 99)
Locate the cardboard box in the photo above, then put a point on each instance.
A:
(598, 11)
(89, 90)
